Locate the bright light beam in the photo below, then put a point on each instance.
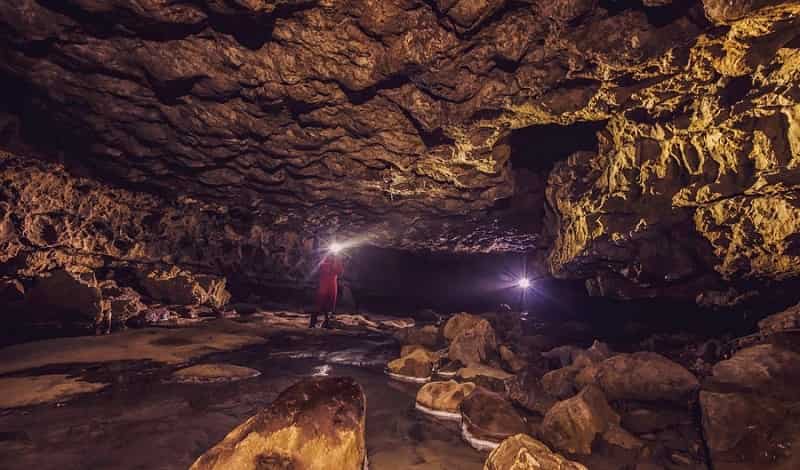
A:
(524, 283)
(335, 247)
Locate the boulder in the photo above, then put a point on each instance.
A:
(416, 366)
(474, 345)
(443, 399)
(572, 425)
(765, 368)
(560, 383)
(487, 418)
(645, 420)
(597, 352)
(213, 373)
(511, 361)
(428, 336)
(787, 320)
(642, 376)
(72, 293)
(730, 417)
(507, 324)
(124, 303)
(563, 355)
(459, 323)
(177, 286)
(522, 452)
(485, 376)
(525, 390)
(317, 424)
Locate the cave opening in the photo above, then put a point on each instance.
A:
(537, 148)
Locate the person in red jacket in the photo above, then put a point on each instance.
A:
(329, 272)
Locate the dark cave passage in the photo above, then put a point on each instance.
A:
(538, 148)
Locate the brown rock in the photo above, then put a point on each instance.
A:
(214, 373)
(417, 366)
(427, 336)
(443, 399)
(572, 425)
(560, 383)
(181, 287)
(315, 424)
(493, 379)
(511, 361)
(765, 369)
(76, 294)
(642, 376)
(459, 323)
(487, 419)
(522, 452)
(474, 345)
(787, 320)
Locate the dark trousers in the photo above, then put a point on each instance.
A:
(325, 322)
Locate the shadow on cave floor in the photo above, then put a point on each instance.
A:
(142, 419)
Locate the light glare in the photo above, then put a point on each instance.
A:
(524, 283)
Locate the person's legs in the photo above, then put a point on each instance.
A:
(313, 320)
(327, 322)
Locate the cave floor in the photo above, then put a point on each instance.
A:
(131, 414)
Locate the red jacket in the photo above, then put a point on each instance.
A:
(329, 272)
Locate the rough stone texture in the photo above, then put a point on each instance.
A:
(211, 373)
(317, 424)
(417, 364)
(427, 336)
(642, 376)
(488, 416)
(766, 369)
(730, 417)
(572, 425)
(459, 323)
(474, 345)
(444, 396)
(395, 118)
(788, 320)
(491, 378)
(560, 383)
(183, 288)
(522, 452)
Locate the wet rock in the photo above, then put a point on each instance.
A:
(124, 303)
(71, 293)
(213, 373)
(507, 324)
(560, 383)
(443, 399)
(177, 286)
(487, 419)
(597, 352)
(522, 452)
(766, 369)
(787, 320)
(563, 355)
(488, 377)
(315, 424)
(511, 361)
(572, 425)
(567, 10)
(417, 366)
(428, 336)
(642, 376)
(474, 345)
(407, 349)
(34, 390)
(525, 390)
(459, 323)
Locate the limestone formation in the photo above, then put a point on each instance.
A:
(474, 345)
(254, 126)
(416, 366)
(316, 424)
(487, 418)
(572, 425)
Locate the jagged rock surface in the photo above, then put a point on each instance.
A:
(395, 118)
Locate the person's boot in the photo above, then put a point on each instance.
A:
(327, 323)
(312, 321)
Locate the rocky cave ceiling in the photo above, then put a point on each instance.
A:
(432, 125)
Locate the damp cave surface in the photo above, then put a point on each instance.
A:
(403, 234)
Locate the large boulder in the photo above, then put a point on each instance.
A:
(522, 452)
(487, 418)
(124, 303)
(572, 425)
(642, 376)
(474, 345)
(525, 390)
(730, 418)
(765, 368)
(77, 294)
(317, 424)
(459, 323)
(443, 399)
(488, 377)
(511, 360)
(177, 286)
(560, 383)
(428, 336)
(416, 366)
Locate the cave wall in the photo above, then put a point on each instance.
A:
(228, 135)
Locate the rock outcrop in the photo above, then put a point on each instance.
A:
(258, 124)
(316, 424)
(522, 452)
(443, 399)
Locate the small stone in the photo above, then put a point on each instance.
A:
(414, 367)
(212, 373)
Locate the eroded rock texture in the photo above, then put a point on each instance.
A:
(396, 119)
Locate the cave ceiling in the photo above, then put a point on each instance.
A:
(396, 119)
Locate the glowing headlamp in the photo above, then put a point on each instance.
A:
(524, 283)
(335, 247)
